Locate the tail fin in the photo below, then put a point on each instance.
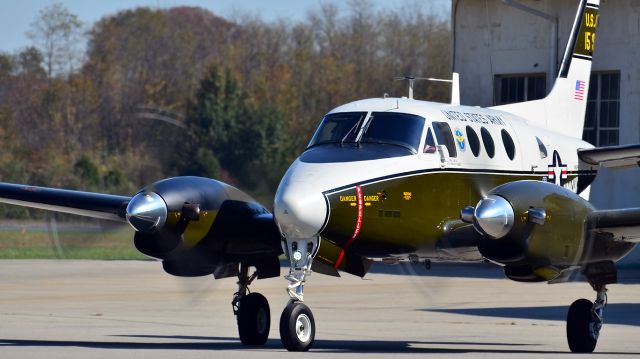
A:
(564, 107)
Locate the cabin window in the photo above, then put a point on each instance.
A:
(338, 128)
(489, 146)
(509, 146)
(429, 143)
(474, 141)
(392, 128)
(445, 137)
(542, 148)
(602, 120)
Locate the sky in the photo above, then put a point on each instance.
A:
(17, 16)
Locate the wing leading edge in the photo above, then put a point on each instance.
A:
(89, 204)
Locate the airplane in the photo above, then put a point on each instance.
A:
(397, 179)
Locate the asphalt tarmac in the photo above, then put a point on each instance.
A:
(132, 309)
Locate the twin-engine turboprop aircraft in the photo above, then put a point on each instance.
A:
(392, 179)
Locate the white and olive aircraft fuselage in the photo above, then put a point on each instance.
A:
(395, 179)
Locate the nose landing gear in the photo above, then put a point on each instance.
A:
(297, 325)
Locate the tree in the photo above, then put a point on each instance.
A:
(30, 62)
(57, 33)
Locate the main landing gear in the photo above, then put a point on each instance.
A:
(584, 322)
(251, 310)
(585, 319)
(297, 326)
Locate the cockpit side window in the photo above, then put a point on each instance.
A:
(430, 142)
(445, 137)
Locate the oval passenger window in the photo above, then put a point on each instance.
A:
(489, 146)
(474, 141)
(509, 146)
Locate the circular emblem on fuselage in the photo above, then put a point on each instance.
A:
(459, 136)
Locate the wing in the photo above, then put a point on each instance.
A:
(619, 224)
(612, 157)
(89, 204)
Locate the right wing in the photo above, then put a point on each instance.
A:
(89, 204)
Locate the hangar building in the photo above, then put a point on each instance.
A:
(510, 51)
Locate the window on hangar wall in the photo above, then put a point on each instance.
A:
(602, 120)
(517, 88)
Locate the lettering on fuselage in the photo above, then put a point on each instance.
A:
(367, 199)
(474, 117)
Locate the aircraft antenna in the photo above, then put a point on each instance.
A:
(455, 87)
(411, 80)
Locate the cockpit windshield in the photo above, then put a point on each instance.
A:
(338, 128)
(387, 128)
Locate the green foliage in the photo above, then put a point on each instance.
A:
(87, 171)
(164, 92)
(29, 62)
(249, 141)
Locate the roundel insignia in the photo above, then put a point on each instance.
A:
(460, 139)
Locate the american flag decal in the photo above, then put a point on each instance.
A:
(579, 93)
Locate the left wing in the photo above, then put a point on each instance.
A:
(619, 224)
(612, 157)
(89, 204)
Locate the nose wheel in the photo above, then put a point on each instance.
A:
(297, 327)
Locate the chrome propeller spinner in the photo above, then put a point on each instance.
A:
(493, 216)
(146, 211)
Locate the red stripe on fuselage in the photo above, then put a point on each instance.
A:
(356, 231)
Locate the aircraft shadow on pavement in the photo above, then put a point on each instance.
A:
(470, 270)
(320, 345)
(626, 275)
(615, 313)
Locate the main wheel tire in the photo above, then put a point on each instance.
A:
(297, 327)
(254, 319)
(579, 320)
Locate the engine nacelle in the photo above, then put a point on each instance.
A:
(200, 226)
(530, 226)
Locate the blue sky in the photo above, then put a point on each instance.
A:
(17, 16)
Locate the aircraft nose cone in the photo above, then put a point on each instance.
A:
(146, 211)
(300, 210)
(493, 216)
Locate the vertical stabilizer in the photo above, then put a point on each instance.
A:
(563, 110)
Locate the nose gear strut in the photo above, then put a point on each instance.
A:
(297, 326)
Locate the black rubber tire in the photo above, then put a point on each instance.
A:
(254, 319)
(295, 313)
(578, 320)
